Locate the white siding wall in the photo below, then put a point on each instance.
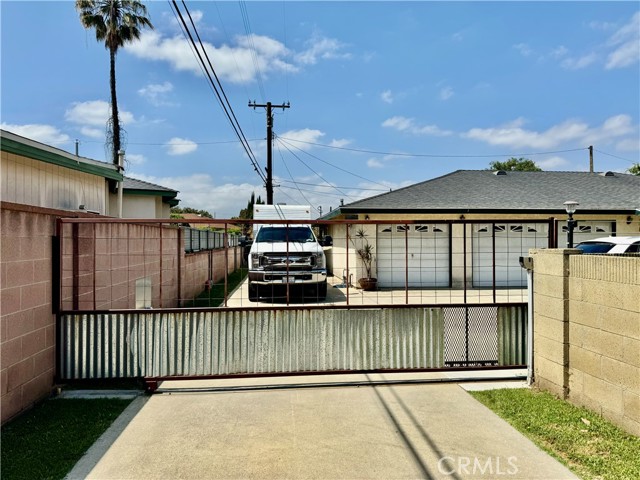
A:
(31, 182)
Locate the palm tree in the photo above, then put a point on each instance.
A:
(117, 22)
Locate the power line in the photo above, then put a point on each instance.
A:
(330, 186)
(217, 85)
(294, 182)
(252, 47)
(431, 155)
(164, 144)
(615, 156)
(316, 173)
(332, 165)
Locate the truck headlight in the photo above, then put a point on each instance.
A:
(319, 260)
(255, 260)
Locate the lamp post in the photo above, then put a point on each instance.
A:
(570, 207)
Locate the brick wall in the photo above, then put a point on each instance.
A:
(587, 331)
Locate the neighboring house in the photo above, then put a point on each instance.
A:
(38, 185)
(39, 175)
(432, 254)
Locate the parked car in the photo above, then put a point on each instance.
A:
(611, 245)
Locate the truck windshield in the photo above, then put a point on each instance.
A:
(284, 234)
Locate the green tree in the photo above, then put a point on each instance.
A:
(180, 210)
(116, 22)
(634, 169)
(515, 165)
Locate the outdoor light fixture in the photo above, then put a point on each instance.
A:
(570, 207)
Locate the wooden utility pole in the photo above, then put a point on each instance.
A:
(269, 106)
(591, 158)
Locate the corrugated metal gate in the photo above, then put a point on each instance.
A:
(223, 342)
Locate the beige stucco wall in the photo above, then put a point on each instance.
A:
(587, 331)
(41, 184)
(139, 206)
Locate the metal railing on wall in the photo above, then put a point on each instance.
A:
(197, 239)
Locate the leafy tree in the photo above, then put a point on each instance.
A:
(180, 210)
(247, 213)
(634, 169)
(116, 22)
(515, 165)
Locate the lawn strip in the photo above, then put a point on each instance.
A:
(591, 446)
(47, 441)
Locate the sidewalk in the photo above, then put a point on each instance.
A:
(284, 429)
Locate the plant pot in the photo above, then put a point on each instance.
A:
(368, 284)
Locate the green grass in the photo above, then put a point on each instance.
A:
(592, 447)
(47, 441)
(215, 296)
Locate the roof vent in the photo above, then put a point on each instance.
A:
(499, 172)
(607, 174)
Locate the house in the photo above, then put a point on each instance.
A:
(39, 175)
(39, 185)
(471, 218)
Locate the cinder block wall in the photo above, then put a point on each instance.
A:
(123, 253)
(27, 333)
(587, 331)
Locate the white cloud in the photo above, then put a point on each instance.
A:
(514, 135)
(386, 96)
(446, 93)
(156, 93)
(135, 158)
(626, 42)
(339, 143)
(374, 163)
(559, 52)
(95, 113)
(200, 191)
(239, 61)
(629, 145)
(305, 135)
(404, 124)
(552, 163)
(180, 146)
(576, 63)
(596, 25)
(232, 63)
(319, 47)
(46, 134)
(524, 49)
(458, 37)
(92, 132)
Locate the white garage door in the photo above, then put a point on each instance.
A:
(419, 252)
(511, 242)
(585, 230)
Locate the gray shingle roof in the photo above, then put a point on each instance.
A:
(483, 190)
(135, 184)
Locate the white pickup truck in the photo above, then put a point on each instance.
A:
(285, 258)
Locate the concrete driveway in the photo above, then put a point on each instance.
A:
(338, 294)
(289, 428)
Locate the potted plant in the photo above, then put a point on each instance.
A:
(365, 253)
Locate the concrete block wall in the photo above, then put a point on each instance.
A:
(587, 331)
(27, 324)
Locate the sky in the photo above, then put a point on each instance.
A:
(382, 94)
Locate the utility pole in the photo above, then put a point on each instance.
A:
(591, 158)
(269, 106)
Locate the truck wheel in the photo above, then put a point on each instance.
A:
(253, 293)
(322, 290)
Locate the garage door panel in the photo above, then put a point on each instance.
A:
(511, 242)
(420, 252)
